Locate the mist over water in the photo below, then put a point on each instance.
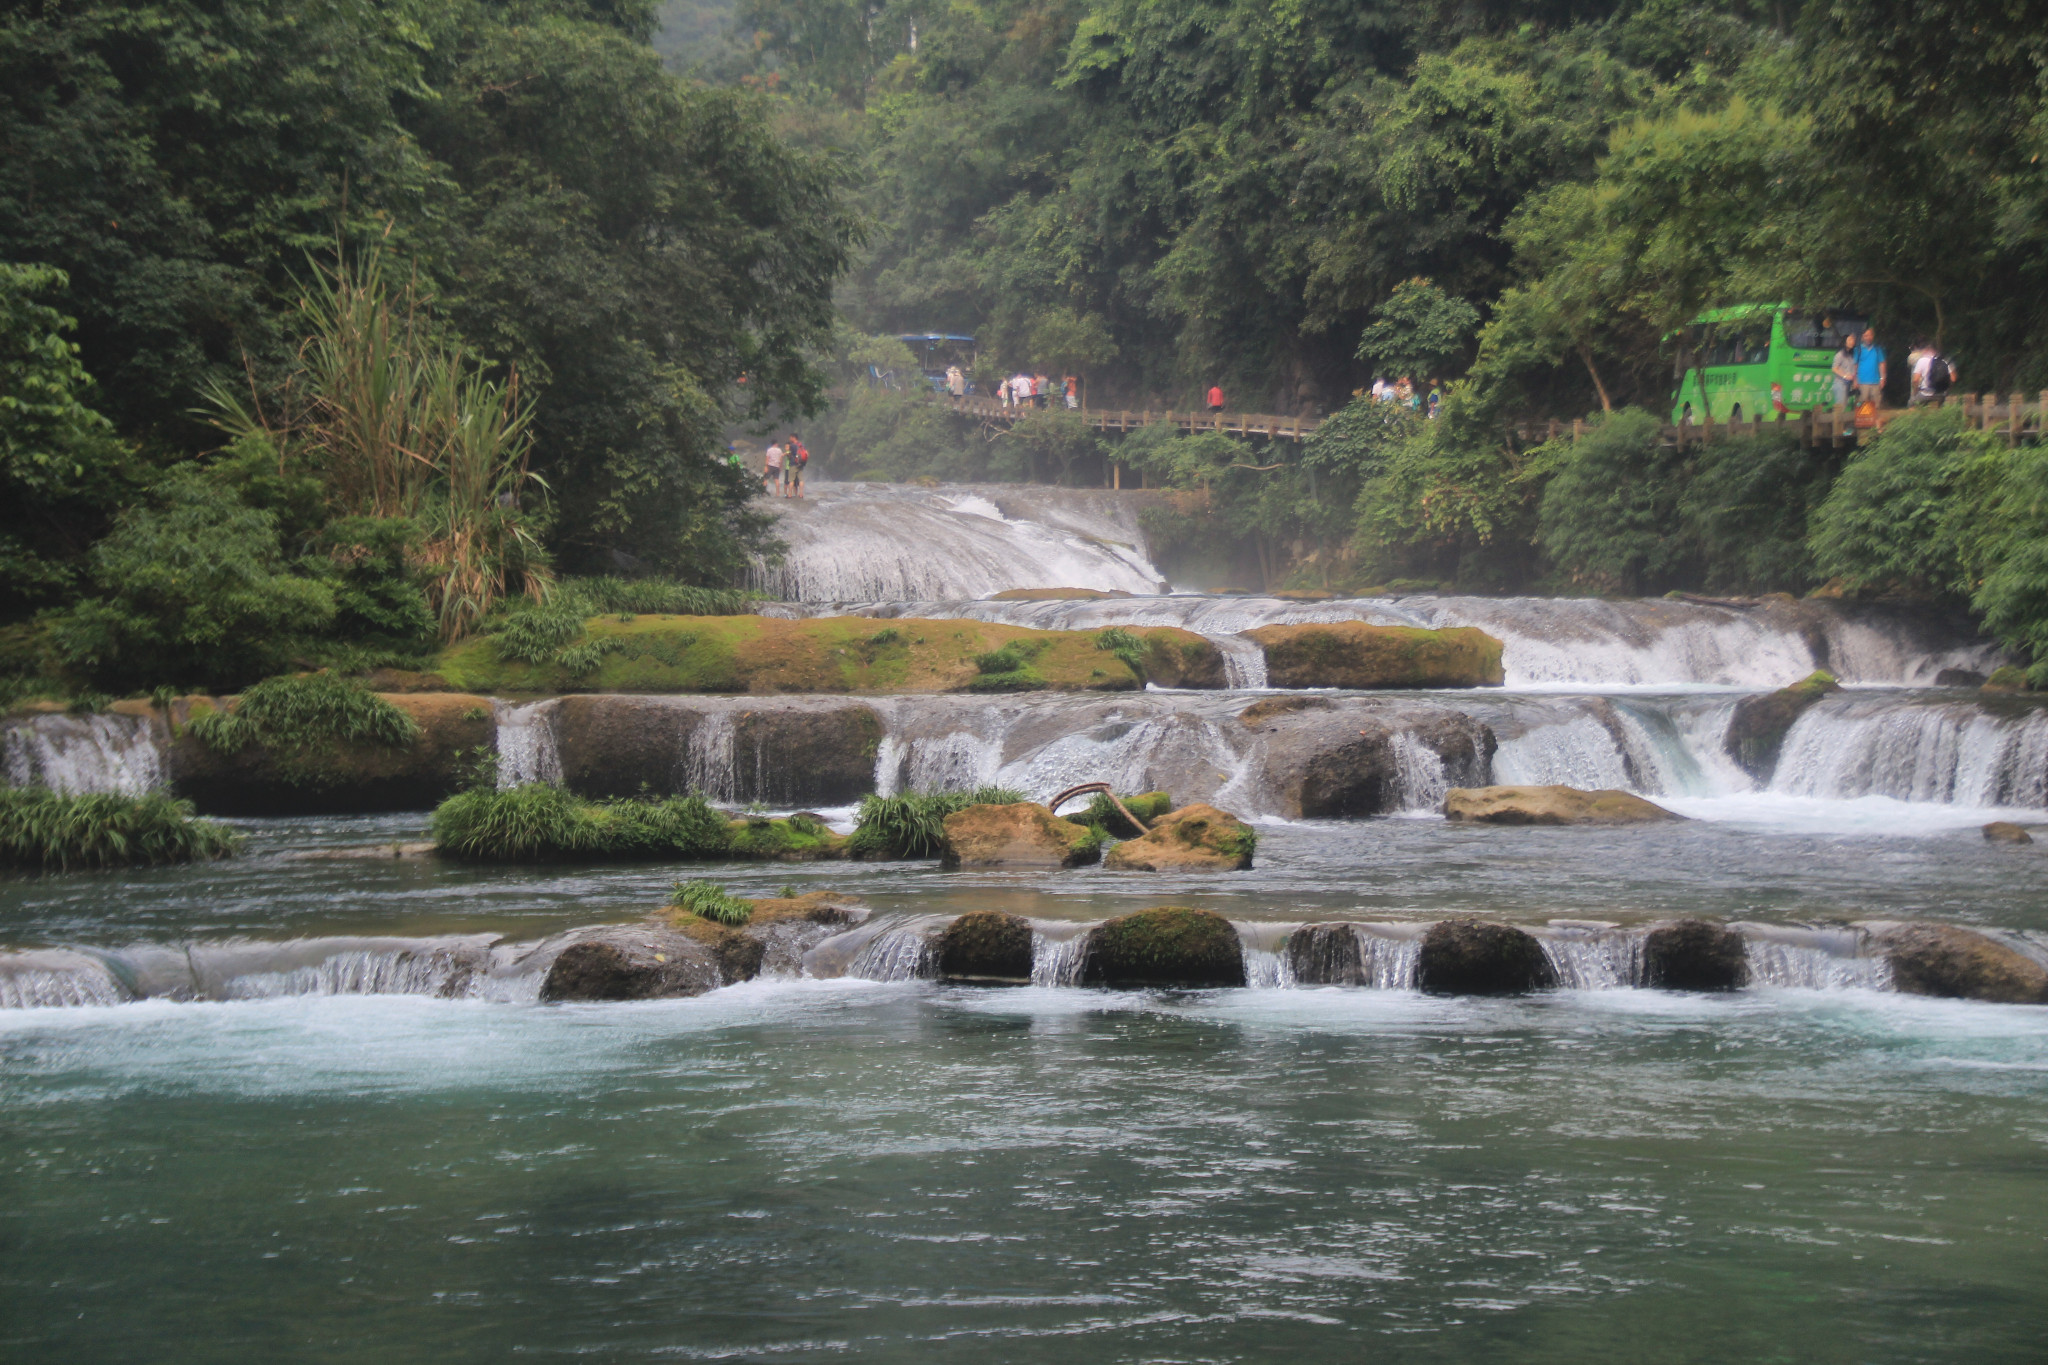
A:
(293, 1106)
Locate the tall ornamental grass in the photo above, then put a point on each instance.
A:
(536, 823)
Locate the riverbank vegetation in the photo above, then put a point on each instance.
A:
(357, 322)
(536, 823)
(44, 831)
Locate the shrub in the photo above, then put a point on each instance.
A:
(42, 830)
(914, 825)
(304, 722)
(194, 588)
(710, 901)
(536, 822)
(1610, 515)
(1900, 512)
(1009, 669)
(1103, 814)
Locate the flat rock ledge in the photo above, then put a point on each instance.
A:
(1195, 838)
(1551, 806)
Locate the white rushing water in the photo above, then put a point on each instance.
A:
(869, 542)
(79, 754)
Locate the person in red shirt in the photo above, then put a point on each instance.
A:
(1215, 398)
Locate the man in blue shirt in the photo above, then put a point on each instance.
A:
(1870, 368)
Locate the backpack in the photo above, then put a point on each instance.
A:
(1939, 376)
(803, 457)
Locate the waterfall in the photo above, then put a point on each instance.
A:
(406, 971)
(249, 970)
(57, 977)
(876, 542)
(1058, 961)
(1418, 775)
(1810, 959)
(1594, 959)
(1961, 753)
(1266, 960)
(526, 744)
(708, 761)
(1244, 662)
(898, 953)
(77, 755)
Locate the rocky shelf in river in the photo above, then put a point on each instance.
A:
(671, 954)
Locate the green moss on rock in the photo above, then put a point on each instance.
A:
(986, 947)
(1355, 654)
(1168, 945)
(1757, 730)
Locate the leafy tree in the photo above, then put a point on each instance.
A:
(61, 465)
(1610, 514)
(195, 589)
(1900, 514)
(1418, 330)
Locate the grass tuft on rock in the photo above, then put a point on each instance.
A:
(914, 825)
(44, 831)
(536, 822)
(708, 900)
(305, 722)
(1103, 814)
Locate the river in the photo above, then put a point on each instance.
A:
(296, 1107)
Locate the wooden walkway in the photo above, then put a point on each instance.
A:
(2015, 416)
(1124, 419)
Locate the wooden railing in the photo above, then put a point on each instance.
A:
(1126, 419)
(2015, 416)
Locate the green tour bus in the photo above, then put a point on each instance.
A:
(1756, 358)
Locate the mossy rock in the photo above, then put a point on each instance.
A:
(1168, 945)
(2006, 832)
(1551, 805)
(802, 838)
(2007, 678)
(339, 778)
(1695, 955)
(1024, 834)
(1195, 838)
(777, 931)
(762, 655)
(986, 947)
(1757, 730)
(1354, 654)
(1327, 955)
(1474, 957)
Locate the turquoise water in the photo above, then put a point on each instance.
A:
(817, 1171)
(822, 1170)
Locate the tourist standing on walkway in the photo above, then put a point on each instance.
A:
(1039, 384)
(1871, 369)
(956, 382)
(771, 471)
(1215, 398)
(1072, 388)
(1933, 372)
(1844, 370)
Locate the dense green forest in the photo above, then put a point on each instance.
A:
(326, 331)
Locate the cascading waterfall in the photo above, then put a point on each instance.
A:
(526, 744)
(1058, 952)
(1956, 753)
(708, 760)
(78, 755)
(869, 542)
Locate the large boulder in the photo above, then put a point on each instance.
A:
(1354, 654)
(343, 778)
(2006, 832)
(1940, 959)
(1551, 806)
(1025, 834)
(623, 745)
(632, 962)
(1360, 756)
(986, 948)
(1327, 955)
(1474, 957)
(1195, 838)
(1168, 945)
(1695, 955)
(1757, 730)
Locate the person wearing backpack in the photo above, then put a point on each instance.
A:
(1933, 373)
(798, 458)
